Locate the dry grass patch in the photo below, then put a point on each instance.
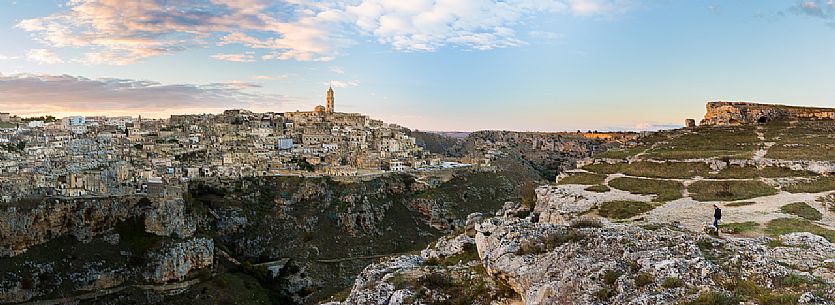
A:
(817, 185)
(620, 153)
(605, 168)
(623, 209)
(782, 226)
(751, 172)
(729, 190)
(665, 170)
(739, 227)
(737, 142)
(803, 210)
(599, 188)
(663, 189)
(582, 178)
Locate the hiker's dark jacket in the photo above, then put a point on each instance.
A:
(717, 213)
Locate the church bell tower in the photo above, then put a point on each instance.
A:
(330, 100)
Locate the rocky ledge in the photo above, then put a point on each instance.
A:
(591, 261)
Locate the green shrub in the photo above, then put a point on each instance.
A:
(643, 279)
(793, 280)
(663, 189)
(715, 298)
(602, 294)
(672, 282)
(599, 188)
(611, 276)
(803, 210)
(777, 298)
(729, 190)
(739, 227)
(623, 209)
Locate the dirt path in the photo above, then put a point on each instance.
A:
(694, 214)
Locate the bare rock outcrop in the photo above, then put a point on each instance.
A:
(21, 228)
(736, 113)
(176, 260)
(168, 218)
(546, 263)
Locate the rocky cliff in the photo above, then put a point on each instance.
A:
(333, 229)
(735, 113)
(32, 223)
(596, 262)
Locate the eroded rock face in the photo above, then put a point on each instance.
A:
(553, 264)
(807, 252)
(168, 218)
(83, 218)
(373, 285)
(560, 204)
(546, 263)
(176, 260)
(736, 113)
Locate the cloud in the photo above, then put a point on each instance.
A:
(823, 9)
(242, 57)
(61, 94)
(337, 70)
(43, 56)
(126, 31)
(342, 84)
(4, 57)
(547, 36)
(652, 126)
(271, 77)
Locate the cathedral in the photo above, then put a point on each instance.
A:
(326, 109)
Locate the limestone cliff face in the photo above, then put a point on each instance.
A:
(168, 218)
(176, 260)
(21, 228)
(549, 263)
(736, 113)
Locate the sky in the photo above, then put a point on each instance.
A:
(445, 65)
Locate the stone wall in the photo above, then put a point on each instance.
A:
(738, 113)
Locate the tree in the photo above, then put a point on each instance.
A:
(528, 194)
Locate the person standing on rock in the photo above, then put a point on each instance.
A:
(717, 215)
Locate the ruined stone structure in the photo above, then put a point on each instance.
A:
(739, 113)
(689, 123)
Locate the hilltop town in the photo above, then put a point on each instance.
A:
(107, 156)
(88, 156)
